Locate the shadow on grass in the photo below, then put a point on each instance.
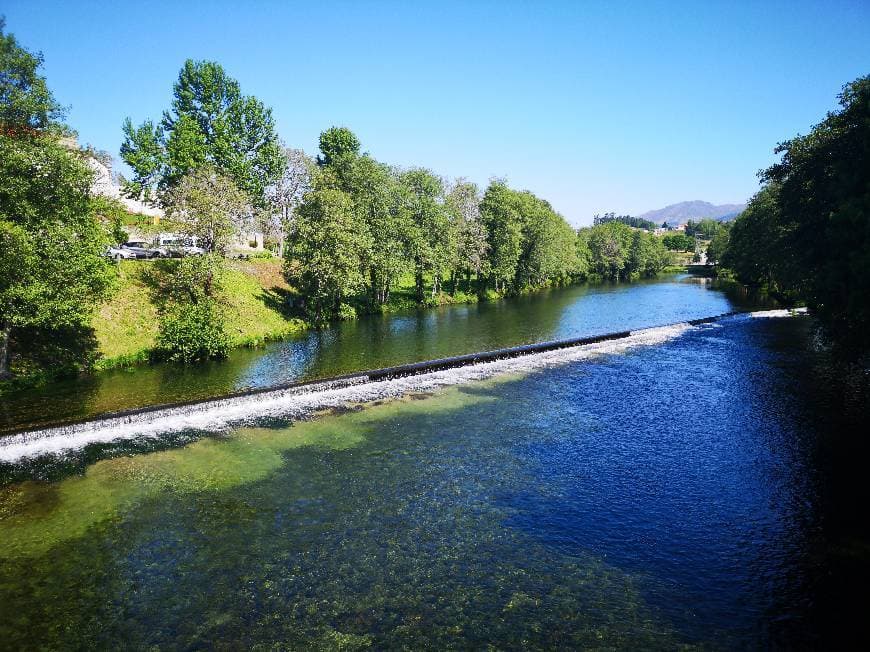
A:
(282, 301)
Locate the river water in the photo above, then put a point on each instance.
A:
(382, 341)
(694, 486)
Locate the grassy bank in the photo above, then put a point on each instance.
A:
(256, 292)
(257, 309)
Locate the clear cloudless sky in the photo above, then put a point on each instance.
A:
(622, 106)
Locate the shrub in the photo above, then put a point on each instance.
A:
(192, 332)
(346, 312)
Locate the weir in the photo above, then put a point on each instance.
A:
(295, 399)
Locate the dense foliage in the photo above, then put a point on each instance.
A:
(363, 225)
(617, 252)
(52, 269)
(191, 299)
(705, 228)
(806, 234)
(192, 332)
(678, 242)
(210, 124)
(636, 222)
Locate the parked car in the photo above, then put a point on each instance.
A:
(117, 253)
(192, 250)
(141, 249)
(175, 246)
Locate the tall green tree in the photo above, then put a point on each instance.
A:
(382, 212)
(463, 202)
(609, 250)
(210, 123)
(431, 237)
(503, 223)
(52, 268)
(718, 245)
(807, 233)
(379, 204)
(324, 252)
(755, 239)
(338, 146)
(208, 205)
(26, 103)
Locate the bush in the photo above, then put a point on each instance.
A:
(346, 312)
(192, 332)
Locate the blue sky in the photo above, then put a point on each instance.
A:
(593, 106)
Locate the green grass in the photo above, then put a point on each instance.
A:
(126, 325)
(256, 311)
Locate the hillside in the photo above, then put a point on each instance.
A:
(693, 210)
(126, 325)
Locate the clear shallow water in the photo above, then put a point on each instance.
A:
(703, 491)
(383, 341)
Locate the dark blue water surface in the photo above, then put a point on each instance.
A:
(706, 491)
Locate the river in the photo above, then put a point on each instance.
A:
(381, 341)
(694, 486)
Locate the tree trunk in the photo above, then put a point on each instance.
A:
(4, 352)
(373, 283)
(418, 282)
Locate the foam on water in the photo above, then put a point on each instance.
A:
(298, 402)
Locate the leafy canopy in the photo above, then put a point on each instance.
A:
(210, 123)
(806, 234)
(26, 103)
(52, 268)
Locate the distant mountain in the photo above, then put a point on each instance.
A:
(693, 210)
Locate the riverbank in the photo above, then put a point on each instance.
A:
(126, 325)
(257, 309)
(257, 301)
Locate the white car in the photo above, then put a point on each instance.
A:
(172, 245)
(117, 253)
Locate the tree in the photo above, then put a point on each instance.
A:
(609, 248)
(504, 233)
(210, 124)
(379, 204)
(192, 332)
(192, 302)
(26, 103)
(463, 202)
(754, 240)
(52, 268)
(431, 238)
(323, 260)
(718, 245)
(337, 145)
(805, 234)
(286, 194)
(705, 228)
(678, 242)
(210, 207)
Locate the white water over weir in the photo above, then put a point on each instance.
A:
(297, 400)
